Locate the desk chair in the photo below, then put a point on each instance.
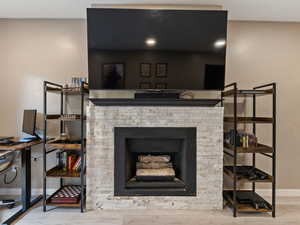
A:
(7, 160)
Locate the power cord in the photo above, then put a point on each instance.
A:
(6, 181)
(15, 170)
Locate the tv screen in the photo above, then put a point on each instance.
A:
(156, 49)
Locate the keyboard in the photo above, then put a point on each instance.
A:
(5, 138)
(11, 143)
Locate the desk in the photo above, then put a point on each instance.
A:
(25, 149)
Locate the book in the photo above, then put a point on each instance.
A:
(71, 160)
(64, 161)
(77, 163)
(242, 139)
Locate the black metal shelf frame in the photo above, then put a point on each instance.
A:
(59, 89)
(263, 90)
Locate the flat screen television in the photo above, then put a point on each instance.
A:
(156, 49)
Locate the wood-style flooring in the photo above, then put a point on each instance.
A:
(288, 213)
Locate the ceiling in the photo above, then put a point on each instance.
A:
(258, 10)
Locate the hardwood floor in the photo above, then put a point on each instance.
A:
(288, 213)
(5, 212)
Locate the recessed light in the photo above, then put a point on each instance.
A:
(220, 43)
(150, 41)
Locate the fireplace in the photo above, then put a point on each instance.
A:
(115, 134)
(155, 161)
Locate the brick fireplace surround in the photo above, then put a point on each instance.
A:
(101, 121)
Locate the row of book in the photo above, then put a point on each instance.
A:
(69, 161)
(243, 139)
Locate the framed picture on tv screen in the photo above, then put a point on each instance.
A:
(161, 85)
(145, 85)
(145, 70)
(113, 75)
(161, 70)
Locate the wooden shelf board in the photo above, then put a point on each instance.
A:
(249, 119)
(65, 146)
(244, 208)
(53, 116)
(52, 89)
(69, 91)
(261, 148)
(247, 93)
(58, 117)
(59, 172)
(67, 205)
(230, 174)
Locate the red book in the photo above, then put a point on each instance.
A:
(75, 165)
(69, 161)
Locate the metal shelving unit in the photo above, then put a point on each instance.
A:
(51, 146)
(230, 196)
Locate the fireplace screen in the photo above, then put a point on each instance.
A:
(155, 161)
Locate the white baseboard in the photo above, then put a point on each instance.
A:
(265, 192)
(280, 192)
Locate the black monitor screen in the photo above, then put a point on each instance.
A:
(156, 49)
(29, 121)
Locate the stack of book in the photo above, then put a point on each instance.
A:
(243, 139)
(69, 162)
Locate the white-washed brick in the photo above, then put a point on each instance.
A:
(100, 155)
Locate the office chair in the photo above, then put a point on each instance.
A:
(6, 164)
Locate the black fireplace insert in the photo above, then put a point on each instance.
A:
(156, 161)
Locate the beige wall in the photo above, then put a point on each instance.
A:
(260, 53)
(37, 50)
(32, 51)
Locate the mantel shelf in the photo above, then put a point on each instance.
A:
(154, 102)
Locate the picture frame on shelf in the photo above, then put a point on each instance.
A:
(145, 70)
(161, 70)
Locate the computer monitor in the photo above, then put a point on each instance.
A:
(29, 122)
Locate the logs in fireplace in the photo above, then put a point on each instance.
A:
(154, 168)
(155, 161)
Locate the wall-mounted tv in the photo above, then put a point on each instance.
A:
(156, 49)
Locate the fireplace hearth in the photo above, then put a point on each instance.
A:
(155, 161)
